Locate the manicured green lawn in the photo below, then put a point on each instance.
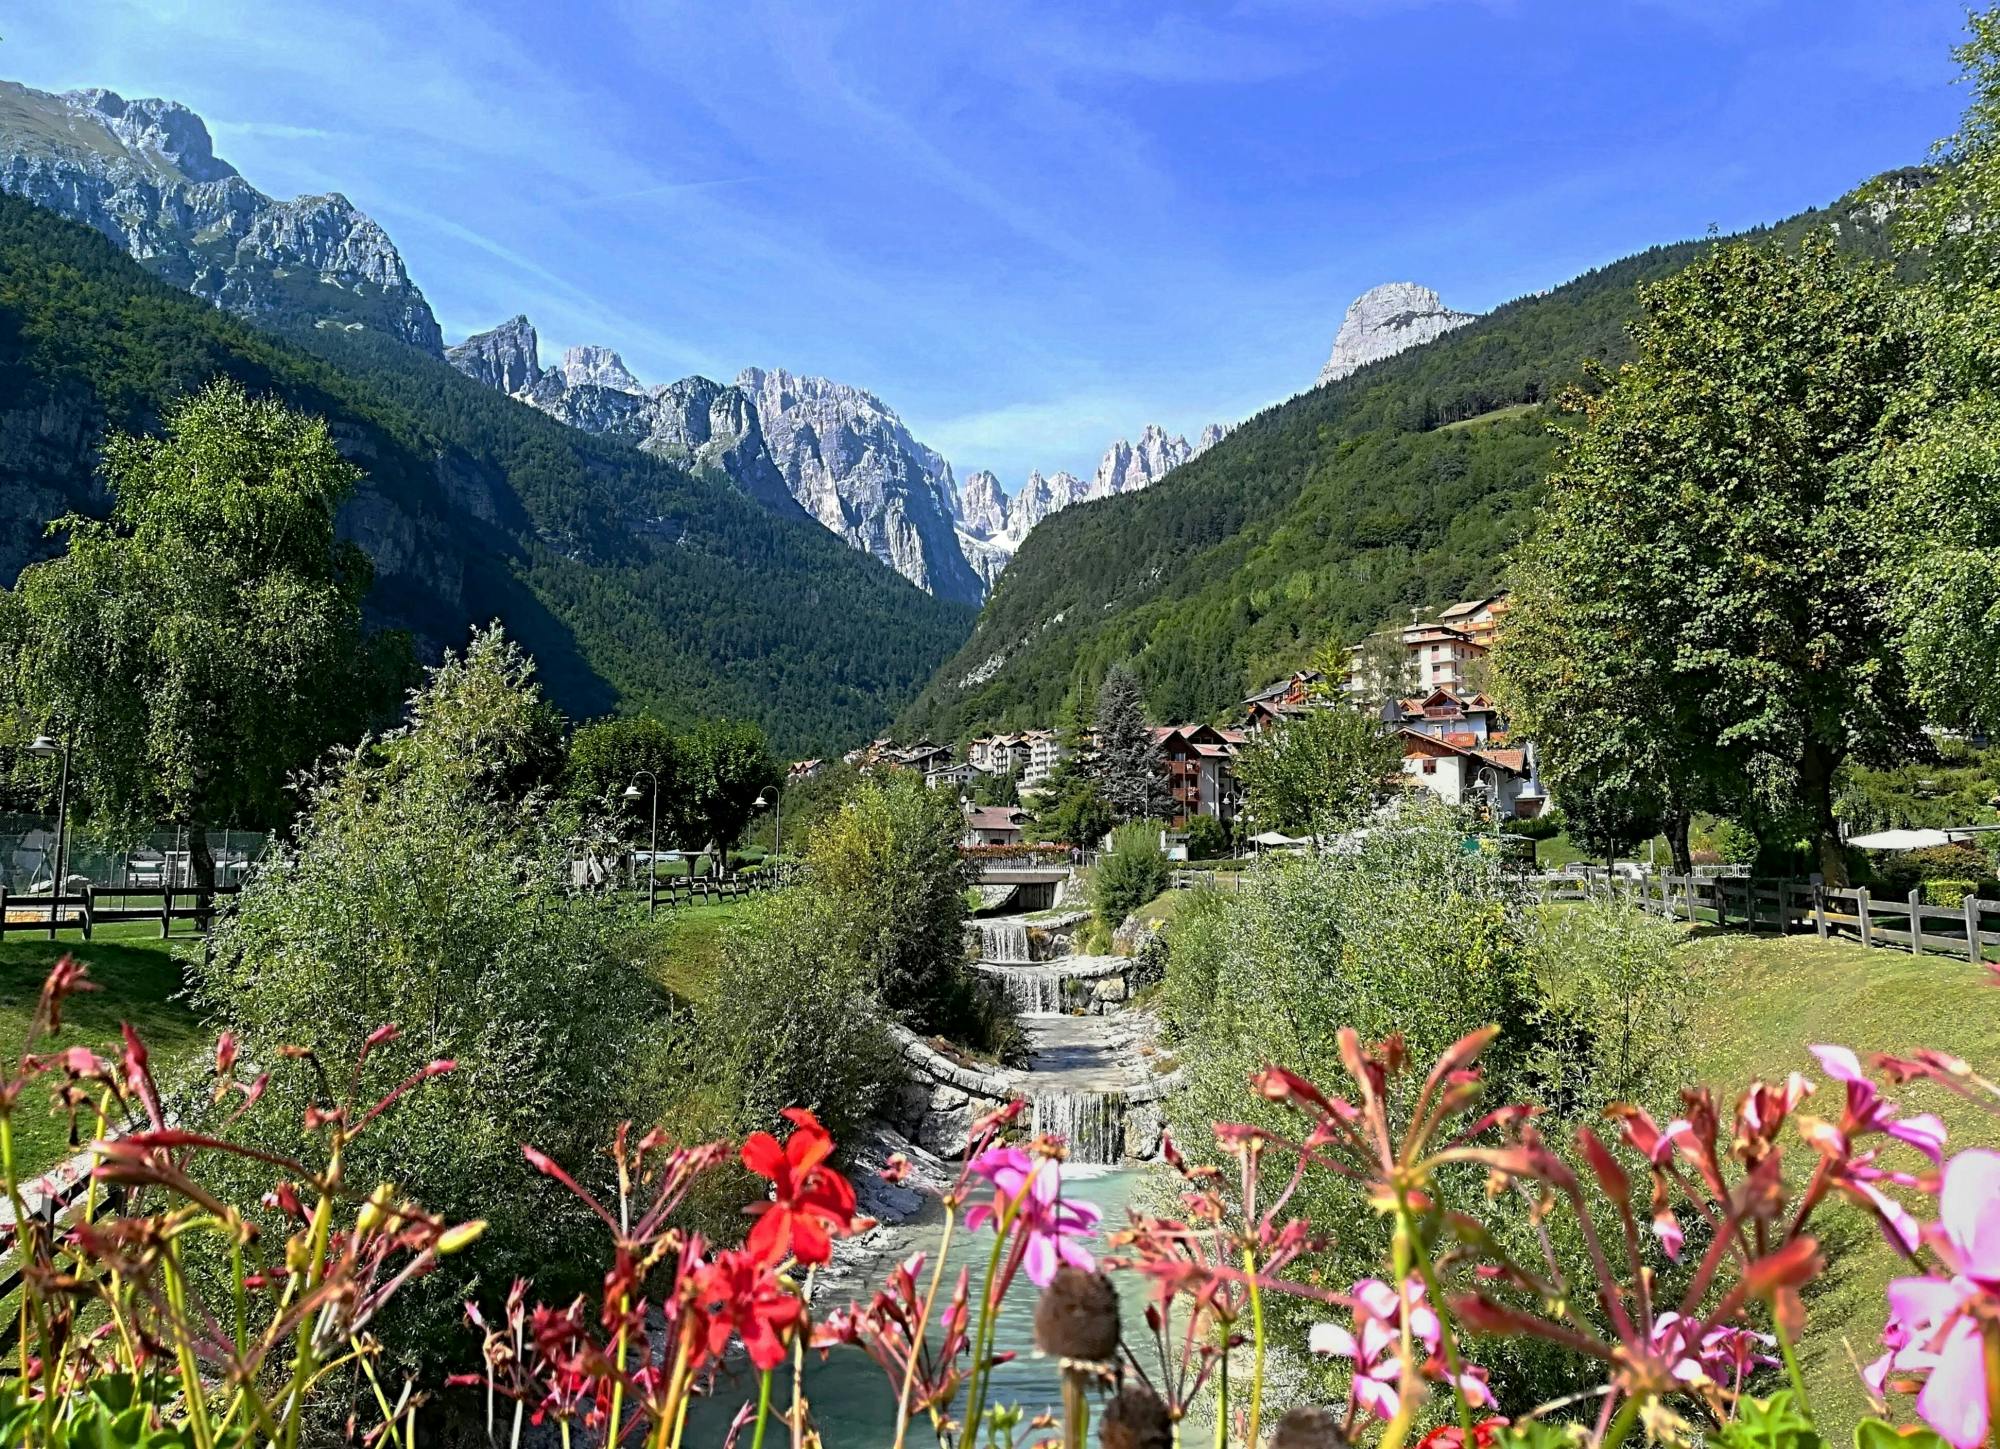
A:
(139, 978)
(1763, 1001)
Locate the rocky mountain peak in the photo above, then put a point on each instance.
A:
(145, 174)
(1126, 468)
(166, 130)
(591, 366)
(506, 357)
(1386, 320)
(982, 504)
(1210, 436)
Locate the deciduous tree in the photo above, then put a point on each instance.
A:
(205, 641)
(1319, 771)
(1699, 613)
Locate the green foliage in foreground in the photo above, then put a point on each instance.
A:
(417, 891)
(1416, 935)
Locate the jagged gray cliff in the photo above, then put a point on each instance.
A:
(852, 464)
(1384, 321)
(992, 525)
(145, 173)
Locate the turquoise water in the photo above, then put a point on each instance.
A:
(852, 1401)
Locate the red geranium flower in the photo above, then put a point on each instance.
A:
(739, 1293)
(1449, 1436)
(812, 1200)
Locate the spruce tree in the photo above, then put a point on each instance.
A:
(1126, 765)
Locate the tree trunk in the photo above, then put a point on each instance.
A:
(1678, 822)
(1816, 770)
(202, 865)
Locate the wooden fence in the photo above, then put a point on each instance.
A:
(1969, 929)
(95, 906)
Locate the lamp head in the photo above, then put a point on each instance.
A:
(764, 799)
(633, 792)
(43, 747)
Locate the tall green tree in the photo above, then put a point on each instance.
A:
(721, 766)
(205, 641)
(1704, 581)
(607, 755)
(1318, 772)
(1939, 492)
(1124, 761)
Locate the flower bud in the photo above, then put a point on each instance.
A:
(1077, 1317)
(1136, 1419)
(1309, 1426)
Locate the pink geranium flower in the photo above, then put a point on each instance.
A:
(1050, 1226)
(1374, 1348)
(1934, 1321)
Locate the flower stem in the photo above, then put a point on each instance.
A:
(1257, 1345)
(1628, 1413)
(763, 1410)
(1222, 1396)
(922, 1335)
(1791, 1362)
(1451, 1360)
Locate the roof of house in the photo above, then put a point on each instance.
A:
(1284, 686)
(995, 817)
(1415, 742)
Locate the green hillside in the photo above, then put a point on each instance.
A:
(1402, 486)
(633, 583)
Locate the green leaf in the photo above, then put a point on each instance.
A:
(1773, 1423)
(1880, 1434)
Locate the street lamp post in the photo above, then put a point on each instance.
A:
(43, 747)
(775, 798)
(653, 855)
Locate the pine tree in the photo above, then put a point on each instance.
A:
(1126, 766)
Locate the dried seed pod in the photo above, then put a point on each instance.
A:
(1136, 1419)
(1077, 1317)
(1309, 1426)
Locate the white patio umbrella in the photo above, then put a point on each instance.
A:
(1903, 839)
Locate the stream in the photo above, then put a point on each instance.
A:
(852, 1401)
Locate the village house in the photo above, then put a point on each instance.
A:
(804, 769)
(1463, 719)
(1283, 700)
(995, 824)
(1198, 761)
(999, 754)
(1497, 779)
(922, 757)
(951, 775)
(1439, 651)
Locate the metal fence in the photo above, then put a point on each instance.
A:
(156, 862)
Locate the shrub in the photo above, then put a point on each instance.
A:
(1132, 873)
(416, 891)
(1207, 838)
(1944, 892)
(1734, 843)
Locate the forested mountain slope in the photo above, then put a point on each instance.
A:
(1404, 485)
(632, 582)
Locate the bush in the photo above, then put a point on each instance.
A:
(1734, 843)
(1545, 826)
(1132, 873)
(1905, 871)
(416, 891)
(1417, 936)
(1948, 892)
(1207, 838)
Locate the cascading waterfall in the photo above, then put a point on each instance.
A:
(1006, 942)
(1031, 990)
(1092, 1123)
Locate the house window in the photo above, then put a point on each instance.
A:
(1430, 767)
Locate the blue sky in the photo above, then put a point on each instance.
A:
(1028, 228)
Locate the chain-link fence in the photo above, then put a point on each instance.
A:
(156, 862)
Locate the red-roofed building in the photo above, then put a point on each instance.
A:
(1199, 762)
(1501, 780)
(995, 824)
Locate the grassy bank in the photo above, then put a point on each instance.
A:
(1763, 1001)
(139, 980)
